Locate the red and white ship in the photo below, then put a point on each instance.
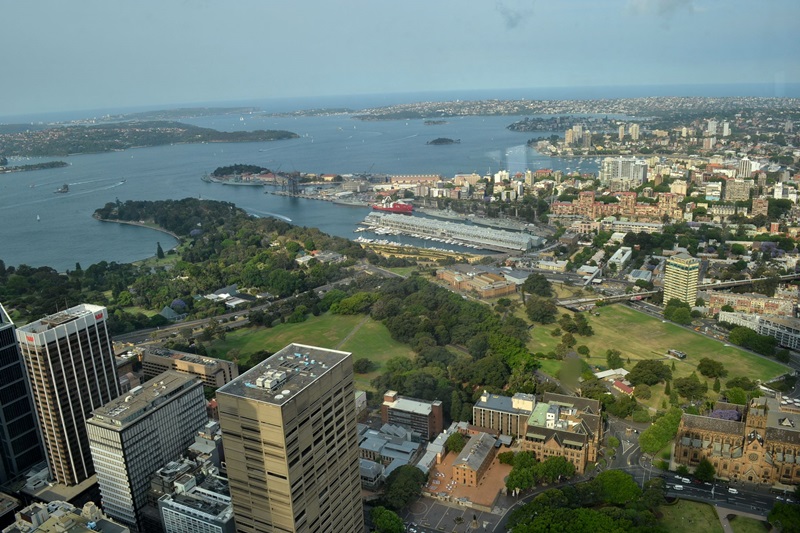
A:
(396, 206)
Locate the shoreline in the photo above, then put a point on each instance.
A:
(142, 225)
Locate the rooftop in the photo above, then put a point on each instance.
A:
(474, 453)
(199, 505)
(281, 376)
(410, 405)
(62, 317)
(141, 400)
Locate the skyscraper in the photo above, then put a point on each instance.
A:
(71, 368)
(634, 131)
(291, 444)
(680, 278)
(19, 434)
(134, 435)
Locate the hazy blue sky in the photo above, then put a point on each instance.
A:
(90, 54)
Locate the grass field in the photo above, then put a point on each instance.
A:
(639, 336)
(688, 516)
(369, 339)
(744, 524)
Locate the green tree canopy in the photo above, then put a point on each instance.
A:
(386, 521)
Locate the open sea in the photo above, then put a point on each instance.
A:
(40, 227)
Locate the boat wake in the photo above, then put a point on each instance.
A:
(274, 215)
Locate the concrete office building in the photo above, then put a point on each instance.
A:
(72, 371)
(291, 443)
(423, 416)
(680, 278)
(136, 434)
(502, 415)
(212, 372)
(20, 447)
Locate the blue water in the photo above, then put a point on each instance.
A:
(66, 233)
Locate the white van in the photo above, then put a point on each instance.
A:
(731, 490)
(678, 487)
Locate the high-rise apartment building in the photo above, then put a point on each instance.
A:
(134, 435)
(630, 169)
(19, 434)
(634, 132)
(680, 278)
(72, 371)
(291, 443)
(621, 132)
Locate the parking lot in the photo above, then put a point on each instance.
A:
(431, 515)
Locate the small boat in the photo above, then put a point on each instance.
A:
(63, 189)
(37, 218)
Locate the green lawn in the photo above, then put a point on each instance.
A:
(371, 340)
(639, 336)
(745, 524)
(686, 516)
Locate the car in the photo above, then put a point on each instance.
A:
(731, 490)
(678, 487)
(686, 480)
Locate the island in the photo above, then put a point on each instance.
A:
(79, 139)
(444, 140)
(434, 122)
(26, 168)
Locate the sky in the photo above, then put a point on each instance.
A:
(96, 54)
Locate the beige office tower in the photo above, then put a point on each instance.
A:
(291, 448)
(680, 278)
(71, 367)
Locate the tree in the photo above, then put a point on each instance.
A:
(705, 470)
(537, 284)
(691, 387)
(403, 486)
(455, 443)
(613, 442)
(583, 350)
(785, 517)
(363, 365)
(159, 251)
(667, 388)
(386, 521)
(614, 358)
(660, 432)
(649, 372)
(711, 368)
(642, 392)
(716, 385)
(616, 487)
(541, 310)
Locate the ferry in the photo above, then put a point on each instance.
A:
(63, 189)
(397, 206)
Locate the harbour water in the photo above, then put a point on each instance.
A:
(39, 227)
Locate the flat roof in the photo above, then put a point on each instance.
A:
(141, 400)
(495, 402)
(410, 406)
(62, 317)
(285, 373)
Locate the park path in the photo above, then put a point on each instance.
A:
(352, 332)
(723, 513)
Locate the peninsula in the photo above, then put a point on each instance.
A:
(35, 166)
(68, 140)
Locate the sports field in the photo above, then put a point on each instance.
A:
(367, 338)
(639, 336)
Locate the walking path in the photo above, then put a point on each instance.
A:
(723, 513)
(352, 332)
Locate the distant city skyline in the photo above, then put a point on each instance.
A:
(110, 54)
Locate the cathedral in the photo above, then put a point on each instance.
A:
(758, 443)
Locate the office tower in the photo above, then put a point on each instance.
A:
(634, 131)
(291, 443)
(19, 435)
(680, 278)
(134, 435)
(72, 372)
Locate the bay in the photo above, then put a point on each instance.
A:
(65, 232)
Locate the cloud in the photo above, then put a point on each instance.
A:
(512, 17)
